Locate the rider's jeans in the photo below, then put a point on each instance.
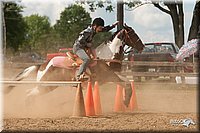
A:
(86, 60)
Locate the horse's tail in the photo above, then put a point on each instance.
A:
(21, 76)
(27, 72)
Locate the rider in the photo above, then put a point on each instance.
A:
(84, 43)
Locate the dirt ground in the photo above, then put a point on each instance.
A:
(158, 108)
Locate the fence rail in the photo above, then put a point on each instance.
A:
(43, 83)
(75, 84)
(133, 64)
(150, 63)
(177, 66)
(151, 69)
(148, 74)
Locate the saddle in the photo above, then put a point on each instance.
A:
(76, 60)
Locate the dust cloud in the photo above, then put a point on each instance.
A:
(60, 102)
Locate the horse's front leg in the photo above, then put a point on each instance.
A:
(128, 92)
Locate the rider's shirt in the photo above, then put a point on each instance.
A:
(85, 37)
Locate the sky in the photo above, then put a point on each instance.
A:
(151, 24)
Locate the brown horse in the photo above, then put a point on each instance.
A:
(62, 68)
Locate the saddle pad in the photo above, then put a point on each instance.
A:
(63, 62)
(66, 62)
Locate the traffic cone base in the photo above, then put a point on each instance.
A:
(119, 105)
(97, 101)
(89, 103)
(79, 107)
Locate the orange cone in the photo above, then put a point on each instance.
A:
(119, 105)
(89, 103)
(79, 107)
(133, 102)
(97, 101)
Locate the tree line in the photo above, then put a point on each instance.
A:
(173, 8)
(35, 32)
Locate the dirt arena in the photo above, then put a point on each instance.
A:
(160, 108)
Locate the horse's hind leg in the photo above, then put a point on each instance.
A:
(8, 89)
(31, 96)
(35, 92)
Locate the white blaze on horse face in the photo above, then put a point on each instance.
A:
(40, 74)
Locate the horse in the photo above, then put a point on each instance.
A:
(63, 68)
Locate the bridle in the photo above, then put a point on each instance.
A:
(125, 37)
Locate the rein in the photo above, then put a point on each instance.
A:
(128, 36)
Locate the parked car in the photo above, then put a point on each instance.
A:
(155, 52)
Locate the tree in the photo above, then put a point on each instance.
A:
(37, 26)
(175, 10)
(72, 21)
(195, 22)
(15, 25)
(93, 5)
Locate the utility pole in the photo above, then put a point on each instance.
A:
(1, 64)
(1, 29)
(120, 14)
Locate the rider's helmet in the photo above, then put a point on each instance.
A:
(98, 22)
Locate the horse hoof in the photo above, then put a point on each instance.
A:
(126, 103)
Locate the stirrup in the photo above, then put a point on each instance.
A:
(80, 77)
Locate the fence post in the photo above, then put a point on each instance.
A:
(182, 75)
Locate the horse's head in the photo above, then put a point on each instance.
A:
(125, 36)
(130, 38)
(114, 48)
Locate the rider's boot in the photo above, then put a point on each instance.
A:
(80, 77)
